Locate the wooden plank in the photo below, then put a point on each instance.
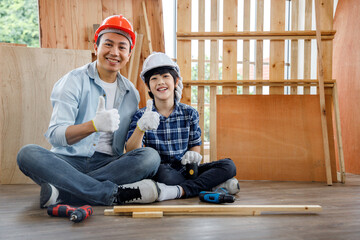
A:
(184, 46)
(307, 43)
(147, 214)
(229, 70)
(340, 151)
(147, 27)
(294, 43)
(259, 35)
(135, 60)
(322, 95)
(259, 43)
(246, 45)
(278, 137)
(277, 23)
(47, 24)
(214, 74)
(249, 210)
(27, 78)
(201, 74)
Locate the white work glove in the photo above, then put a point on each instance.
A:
(191, 157)
(150, 120)
(106, 120)
(178, 91)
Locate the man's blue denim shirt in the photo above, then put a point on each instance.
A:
(75, 98)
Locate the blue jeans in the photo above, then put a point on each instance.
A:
(94, 179)
(209, 175)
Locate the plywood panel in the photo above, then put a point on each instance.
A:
(27, 78)
(346, 71)
(273, 137)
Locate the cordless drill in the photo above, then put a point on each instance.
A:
(75, 214)
(220, 195)
(81, 213)
(60, 210)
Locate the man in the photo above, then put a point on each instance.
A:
(92, 110)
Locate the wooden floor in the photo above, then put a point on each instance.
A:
(21, 217)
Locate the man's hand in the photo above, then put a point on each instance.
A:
(191, 157)
(106, 120)
(150, 120)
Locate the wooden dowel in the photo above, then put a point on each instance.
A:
(322, 95)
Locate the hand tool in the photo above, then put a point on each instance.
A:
(60, 210)
(81, 213)
(221, 195)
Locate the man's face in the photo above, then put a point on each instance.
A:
(112, 53)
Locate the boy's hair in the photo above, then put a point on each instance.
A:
(160, 71)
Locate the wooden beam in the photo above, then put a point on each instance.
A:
(258, 35)
(322, 95)
(147, 27)
(338, 134)
(240, 210)
(135, 60)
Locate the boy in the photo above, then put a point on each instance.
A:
(172, 128)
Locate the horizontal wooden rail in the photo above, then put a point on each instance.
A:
(298, 35)
(290, 82)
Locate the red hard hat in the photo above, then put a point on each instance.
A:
(117, 22)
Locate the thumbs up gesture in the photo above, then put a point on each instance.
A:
(150, 120)
(106, 120)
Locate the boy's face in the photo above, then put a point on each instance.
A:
(113, 52)
(162, 86)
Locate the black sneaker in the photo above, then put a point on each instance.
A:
(144, 191)
(48, 195)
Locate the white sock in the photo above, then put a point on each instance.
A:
(169, 192)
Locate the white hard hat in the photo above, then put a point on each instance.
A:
(158, 59)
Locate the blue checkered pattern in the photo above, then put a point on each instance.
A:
(175, 134)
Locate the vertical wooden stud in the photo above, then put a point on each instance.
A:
(184, 46)
(277, 23)
(201, 72)
(246, 45)
(259, 43)
(230, 46)
(307, 44)
(214, 74)
(294, 43)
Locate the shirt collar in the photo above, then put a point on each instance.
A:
(93, 73)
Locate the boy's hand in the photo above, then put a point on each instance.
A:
(150, 120)
(106, 120)
(178, 91)
(191, 157)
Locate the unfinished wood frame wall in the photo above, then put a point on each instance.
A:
(230, 37)
(69, 24)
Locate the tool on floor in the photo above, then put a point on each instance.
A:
(220, 195)
(76, 214)
(60, 210)
(81, 213)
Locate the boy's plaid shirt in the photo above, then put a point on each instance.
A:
(175, 134)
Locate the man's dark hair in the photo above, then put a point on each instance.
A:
(160, 71)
